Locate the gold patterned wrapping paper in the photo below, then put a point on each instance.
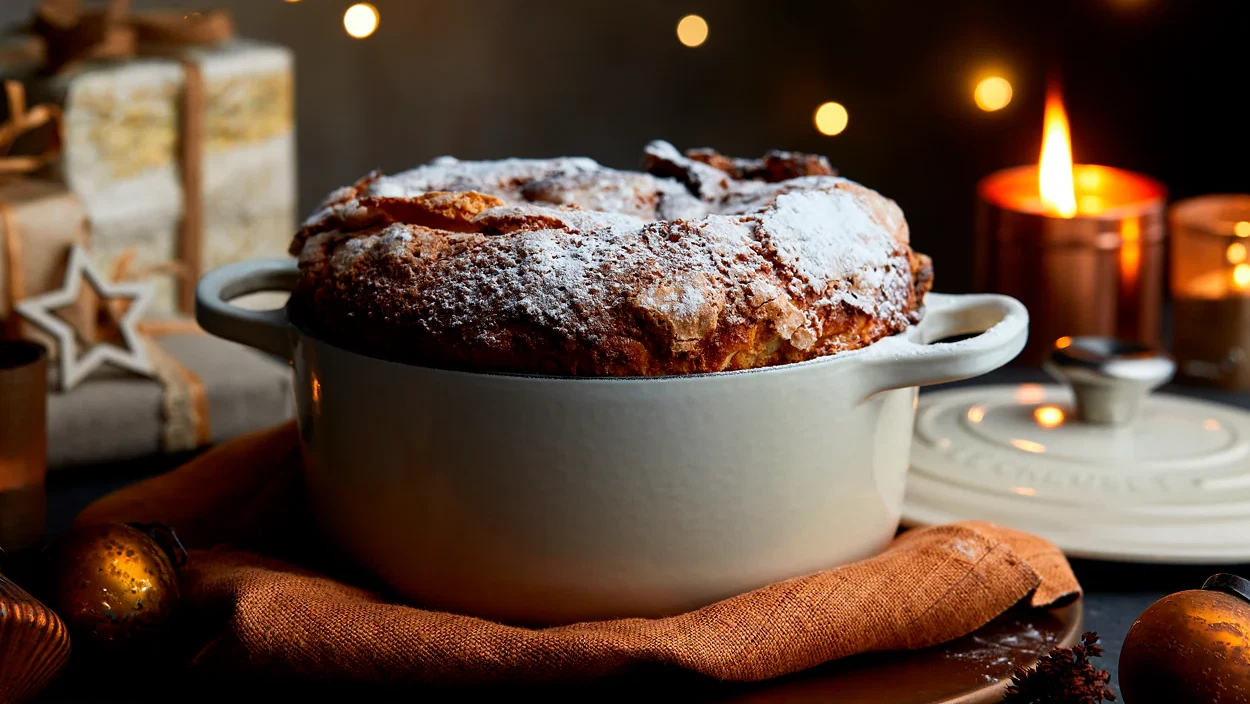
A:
(122, 153)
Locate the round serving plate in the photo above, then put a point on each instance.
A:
(975, 669)
(1098, 465)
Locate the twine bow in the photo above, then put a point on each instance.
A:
(72, 34)
(21, 121)
(184, 398)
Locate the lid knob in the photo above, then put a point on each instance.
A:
(1108, 377)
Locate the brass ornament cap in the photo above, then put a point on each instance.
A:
(34, 644)
(1229, 584)
(115, 585)
(1191, 647)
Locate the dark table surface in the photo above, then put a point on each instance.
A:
(1115, 593)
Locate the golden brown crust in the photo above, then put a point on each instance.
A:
(516, 277)
(773, 167)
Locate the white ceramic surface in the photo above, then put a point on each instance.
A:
(535, 499)
(1171, 486)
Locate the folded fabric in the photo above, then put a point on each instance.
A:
(258, 585)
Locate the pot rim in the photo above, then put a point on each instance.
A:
(815, 361)
(913, 357)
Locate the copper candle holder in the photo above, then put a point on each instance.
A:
(1099, 272)
(1211, 290)
(23, 443)
(1080, 245)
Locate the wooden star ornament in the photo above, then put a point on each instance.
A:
(121, 306)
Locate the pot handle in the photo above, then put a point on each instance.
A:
(913, 359)
(266, 330)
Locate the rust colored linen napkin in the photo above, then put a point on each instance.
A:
(269, 605)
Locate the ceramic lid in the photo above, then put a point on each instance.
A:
(1097, 464)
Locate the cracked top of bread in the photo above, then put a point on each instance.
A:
(697, 263)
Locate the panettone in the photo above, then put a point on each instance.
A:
(700, 263)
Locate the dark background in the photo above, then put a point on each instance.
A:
(1157, 86)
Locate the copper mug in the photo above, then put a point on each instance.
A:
(23, 443)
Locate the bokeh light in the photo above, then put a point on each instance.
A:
(993, 93)
(1242, 229)
(1241, 275)
(1236, 253)
(1031, 393)
(692, 30)
(1048, 416)
(1028, 446)
(361, 20)
(831, 118)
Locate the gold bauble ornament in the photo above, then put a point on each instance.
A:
(34, 643)
(116, 585)
(1192, 647)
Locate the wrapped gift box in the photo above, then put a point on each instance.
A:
(118, 417)
(166, 145)
(39, 222)
(183, 161)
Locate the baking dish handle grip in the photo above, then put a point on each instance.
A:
(999, 325)
(266, 330)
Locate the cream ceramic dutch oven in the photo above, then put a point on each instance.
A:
(539, 500)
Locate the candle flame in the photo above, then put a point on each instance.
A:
(1055, 181)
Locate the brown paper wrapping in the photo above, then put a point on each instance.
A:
(45, 220)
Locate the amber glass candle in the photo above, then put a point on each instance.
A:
(1211, 289)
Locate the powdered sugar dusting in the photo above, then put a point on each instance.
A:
(583, 253)
(502, 178)
(833, 243)
(509, 217)
(564, 280)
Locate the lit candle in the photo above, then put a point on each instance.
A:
(1211, 289)
(1081, 245)
(1211, 248)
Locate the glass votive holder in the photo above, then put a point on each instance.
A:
(23, 443)
(1210, 284)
